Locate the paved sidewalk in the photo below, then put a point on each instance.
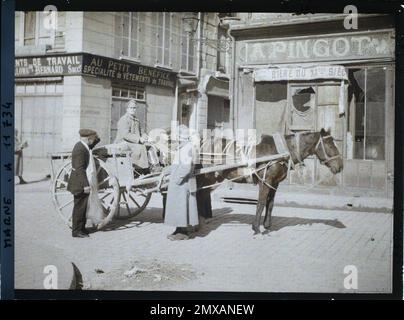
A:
(292, 196)
(306, 251)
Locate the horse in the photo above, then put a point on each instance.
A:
(269, 175)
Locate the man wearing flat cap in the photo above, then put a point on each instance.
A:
(78, 183)
(130, 133)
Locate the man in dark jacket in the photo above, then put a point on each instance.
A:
(78, 182)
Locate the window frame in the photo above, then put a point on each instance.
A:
(38, 20)
(189, 41)
(386, 66)
(160, 61)
(129, 39)
(130, 90)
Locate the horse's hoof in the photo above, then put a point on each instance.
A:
(267, 231)
(256, 230)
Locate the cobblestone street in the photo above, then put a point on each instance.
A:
(306, 251)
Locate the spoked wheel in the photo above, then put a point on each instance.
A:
(108, 193)
(134, 202)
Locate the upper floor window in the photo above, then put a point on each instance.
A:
(127, 29)
(31, 30)
(223, 56)
(164, 38)
(187, 50)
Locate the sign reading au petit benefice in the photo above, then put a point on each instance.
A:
(92, 65)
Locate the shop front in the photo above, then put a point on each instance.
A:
(56, 95)
(338, 81)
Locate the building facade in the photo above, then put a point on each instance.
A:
(295, 73)
(81, 70)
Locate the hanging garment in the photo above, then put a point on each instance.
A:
(95, 210)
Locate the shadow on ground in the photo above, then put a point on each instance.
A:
(220, 216)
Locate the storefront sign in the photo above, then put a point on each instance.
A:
(320, 48)
(88, 64)
(126, 71)
(300, 73)
(48, 66)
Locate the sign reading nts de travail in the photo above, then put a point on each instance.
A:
(88, 64)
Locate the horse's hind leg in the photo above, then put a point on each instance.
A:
(268, 211)
(263, 193)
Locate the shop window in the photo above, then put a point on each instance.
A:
(124, 93)
(163, 38)
(226, 111)
(59, 87)
(127, 32)
(20, 88)
(303, 101)
(271, 91)
(51, 87)
(30, 88)
(185, 114)
(366, 118)
(132, 93)
(40, 88)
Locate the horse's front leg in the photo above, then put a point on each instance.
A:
(262, 196)
(277, 173)
(268, 211)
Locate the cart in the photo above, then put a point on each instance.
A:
(123, 191)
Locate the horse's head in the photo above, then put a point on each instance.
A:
(327, 152)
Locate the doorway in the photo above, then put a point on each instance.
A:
(311, 107)
(120, 99)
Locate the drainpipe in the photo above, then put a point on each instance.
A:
(200, 65)
(232, 78)
(175, 109)
(198, 71)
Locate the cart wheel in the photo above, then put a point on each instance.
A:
(108, 192)
(132, 203)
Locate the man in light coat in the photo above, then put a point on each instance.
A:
(130, 134)
(181, 207)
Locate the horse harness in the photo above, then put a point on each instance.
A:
(246, 153)
(320, 143)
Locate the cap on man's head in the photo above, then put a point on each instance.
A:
(87, 132)
(132, 103)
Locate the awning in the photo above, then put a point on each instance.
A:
(186, 82)
(293, 73)
(217, 87)
(282, 73)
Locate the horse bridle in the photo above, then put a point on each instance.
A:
(319, 143)
(327, 157)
